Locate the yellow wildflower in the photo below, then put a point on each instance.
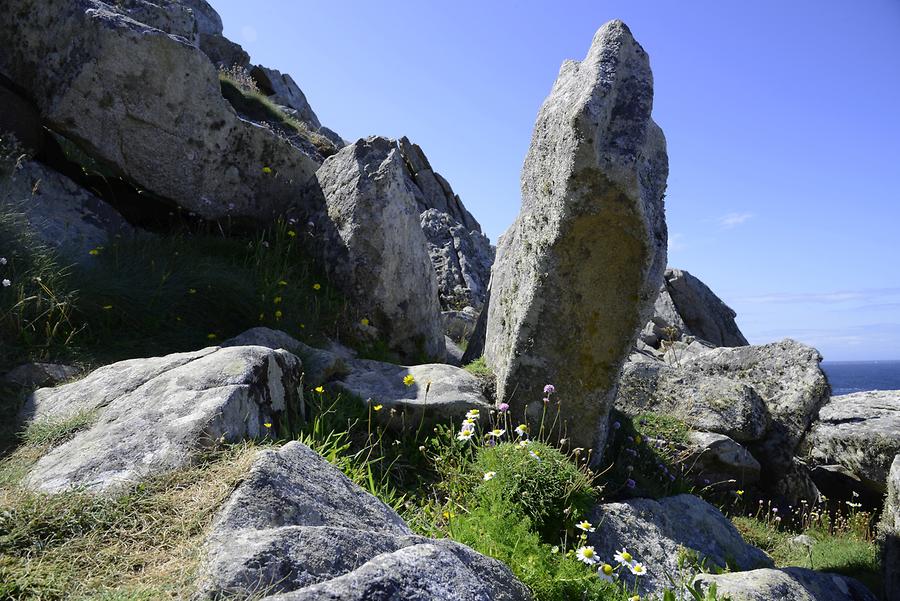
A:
(94, 252)
(377, 407)
(278, 314)
(292, 233)
(317, 286)
(364, 321)
(267, 170)
(409, 380)
(268, 424)
(277, 300)
(320, 389)
(282, 283)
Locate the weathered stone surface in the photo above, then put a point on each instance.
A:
(454, 352)
(717, 458)
(223, 52)
(461, 254)
(153, 415)
(35, 375)
(796, 584)
(703, 314)
(705, 402)
(462, 259)
(859, 431)
(295, 486)
(297, 528)
(787, 377)
(459, 325)
(319, 365)
(665, 324)
(577, 273)
(282, 89)
(678, 352)
(439, 392)
(150, 105)
(377, 251)
(889, 533)
(654, 531)
(60, 212)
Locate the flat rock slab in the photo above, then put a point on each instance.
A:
(859, 431)
(298, 528)
(439, 392)
(655, 531)
(149, 416)
(796, 584)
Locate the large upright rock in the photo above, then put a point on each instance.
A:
(577, 273)
(148, 104)
(377, 251)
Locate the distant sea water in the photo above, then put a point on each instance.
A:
(856, 376)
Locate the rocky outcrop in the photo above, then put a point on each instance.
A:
(889, 533)
(59, 212)
(37, 375)
(146, 416)
(297, 528)
(687, 307)
(437, 392)
(787, 377)
(376, 251)
(796, 584)
(656, 533)
(577, 272)
(860, 432)
(461, 254)
(150, 105)
(711, 403)
(459, 325)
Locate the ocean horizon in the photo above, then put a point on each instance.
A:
(847, 377)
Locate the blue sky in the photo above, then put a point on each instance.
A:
(782, 120)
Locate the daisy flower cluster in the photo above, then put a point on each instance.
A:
(607, 571)
(6, 283)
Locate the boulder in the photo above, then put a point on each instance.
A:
(715, 458)
(889, 533)
(665, 324)
(459, 325)
(37, 375)
(375, 247)
(657, 533)
(859, 431)
(796, 584)
(282, 89)
(702, 313)
(577, 273)
(787, 377)
(437, 394)
(148, 416)
(454, 352)
(704, 402)
(461, 254)
(319, 365)
(297, 528)
(149, 105)
(59, 212)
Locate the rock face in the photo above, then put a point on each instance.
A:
(461, 254)
(787, 377)
(796, 584)
(148, 416)
(439, 392)
(655, 531)
(148, 104)
(376, 250)
(577, 272)
(717, 458)
(711, 403)
(859, 431)
(35, 375)
(687, 307)
(62, 213)
(297, 528)
(889, 533)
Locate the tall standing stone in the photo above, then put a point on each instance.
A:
(577, 273)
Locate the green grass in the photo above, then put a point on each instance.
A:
(52, 431)
(143, 544)
(479, 367)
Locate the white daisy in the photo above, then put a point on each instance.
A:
(623, 557)
(586, 526)
(488, 476)
(472, 414)
(522, 429)
(6, 283)
(496, 433)
(587, 555)
(465, 435)
(637, 569)
(606, 573)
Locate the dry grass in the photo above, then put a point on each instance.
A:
(143, 544)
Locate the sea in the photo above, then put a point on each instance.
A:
(856, 376)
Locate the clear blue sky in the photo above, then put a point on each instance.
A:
(782, 119)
